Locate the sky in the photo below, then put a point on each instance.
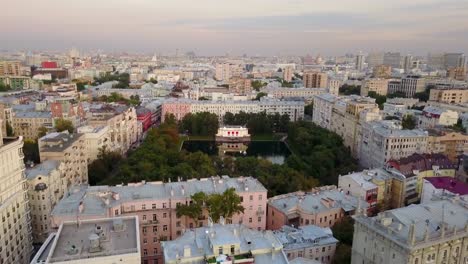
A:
(254, 27)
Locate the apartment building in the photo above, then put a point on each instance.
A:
(377, 85)
(334, 86)
(122, 122)
(155, 205)
(16, 82)
(410, 85)
(240, 86)
(382, 71)
(323, 108)
(438, 188)
(46, 186)
(221, 243)
(28, 123)
(426, 233)
(309, 242)
(180, 107)
(16, 238)
(70, 149)
(288, 73)
(98, 241)
(303, 93)
(96, 139)
(457, 73)
(392, 59)
(315, 79)
(449, 96)
(323, 207)
(223, 71)
(360, 184)
(10, 68)
(384, 140)
(348, 114)
(437, 117)
(451, 144)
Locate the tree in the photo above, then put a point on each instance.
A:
(31, 151)
(260, 95)
(346, 89)
(396, 95)
(408, 122)
(379, 99)
(9, 130)
(63, 124)
(458, 126)
(257, 85)
(152, 80)
(342, 254)
(309, 109)
(194, 209)
(200, 124)
(42, 131)
(4, 88)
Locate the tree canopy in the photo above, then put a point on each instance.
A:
(258, 123)
(63, 124)
(200, 124)
(346, 89)
(408, 122)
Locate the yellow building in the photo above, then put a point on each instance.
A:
(449, 96)
(452, 144)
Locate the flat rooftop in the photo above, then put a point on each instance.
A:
(113, 236)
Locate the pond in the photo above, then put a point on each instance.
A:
(274, 151)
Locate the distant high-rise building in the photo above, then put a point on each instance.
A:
(16, 237)
(412, 84)
(10, 68)
(288, 73)
(223, 71)
(436, 61)
(359, 62)
(382, 71)
(375, 59)
(462, 62)
(315, 79)
(452, 60)
(392, 59)
(408, 64)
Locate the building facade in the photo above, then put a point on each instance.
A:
(449, 96)
(379, 86)
(315, 80)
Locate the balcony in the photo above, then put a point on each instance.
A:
(149, 222)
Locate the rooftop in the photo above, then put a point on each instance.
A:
(304, 236)
(448, 183)
(391, 129)
(422, 223)
(94, 198)
(57, 141)
(94, 239)
(201, 243)
(319, 200)
(42, 169)
(421, 162)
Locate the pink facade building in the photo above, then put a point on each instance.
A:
(322, 207)
(155, 205)
(178, 108)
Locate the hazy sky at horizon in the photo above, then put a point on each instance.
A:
(263, 27)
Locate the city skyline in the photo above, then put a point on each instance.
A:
(258, 28)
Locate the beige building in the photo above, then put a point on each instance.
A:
(288, 73)
(46, 186)
(16, 237)
(334, 86)
(458, 73)
(97, 139)
(451, 144)
(98, 241)
(315, 79)
(428, 233)
(10, 68)
(377, 85)
(70, 149)
(122, 122)
(240, 86)
(449, 96)
(382, 71)
(28, 123)
(318, 207)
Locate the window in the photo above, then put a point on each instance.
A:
(164, 227)
(220, 250)
(144, 229)
(232, 249)
(251, 197)
(259, 219)
(143, 207)
(153, 206)
(164, 215)
(260, 197)
(145, 241)
(164, 205)
(250, 220)
(155, 229)
(145, 252)
(155, 251)
(323, 249)
(178, 223)
(154, 217)
(116, 212)
(144, 217)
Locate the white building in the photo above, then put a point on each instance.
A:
(96, 138)
(385, 140)
(100, 241)
(434, 116)
(323, 107)
(436, 188)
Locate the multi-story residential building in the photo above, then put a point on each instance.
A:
(451, 144)
(436, 61)
(323, 108)
(223, 71)
(46, 186)
(16, 82)
(315, 79)
(408, 64)
(73, 112)
(394, 86)
(10, 68)
(436, 188)
(97, 139)
(180, 107)
(16, 237)
(382, 71)
(303, 93)
(379, 86)
(288, 73)
(449, 96)
(384, 140)
(458, 73)
(28, 123)
(436, 117)
(392, 59)
(220, 243)
(310, 242)
(241, 86)
(347, 116)
(360, 184)
(122, 122)
(70, 149)
(334, 86)
(97, 241)
(375, 59)
(428, 233)
(411, 85)
(452, 60)
(155, 205)
(359, 62)
(408, 174)
(323, 206)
